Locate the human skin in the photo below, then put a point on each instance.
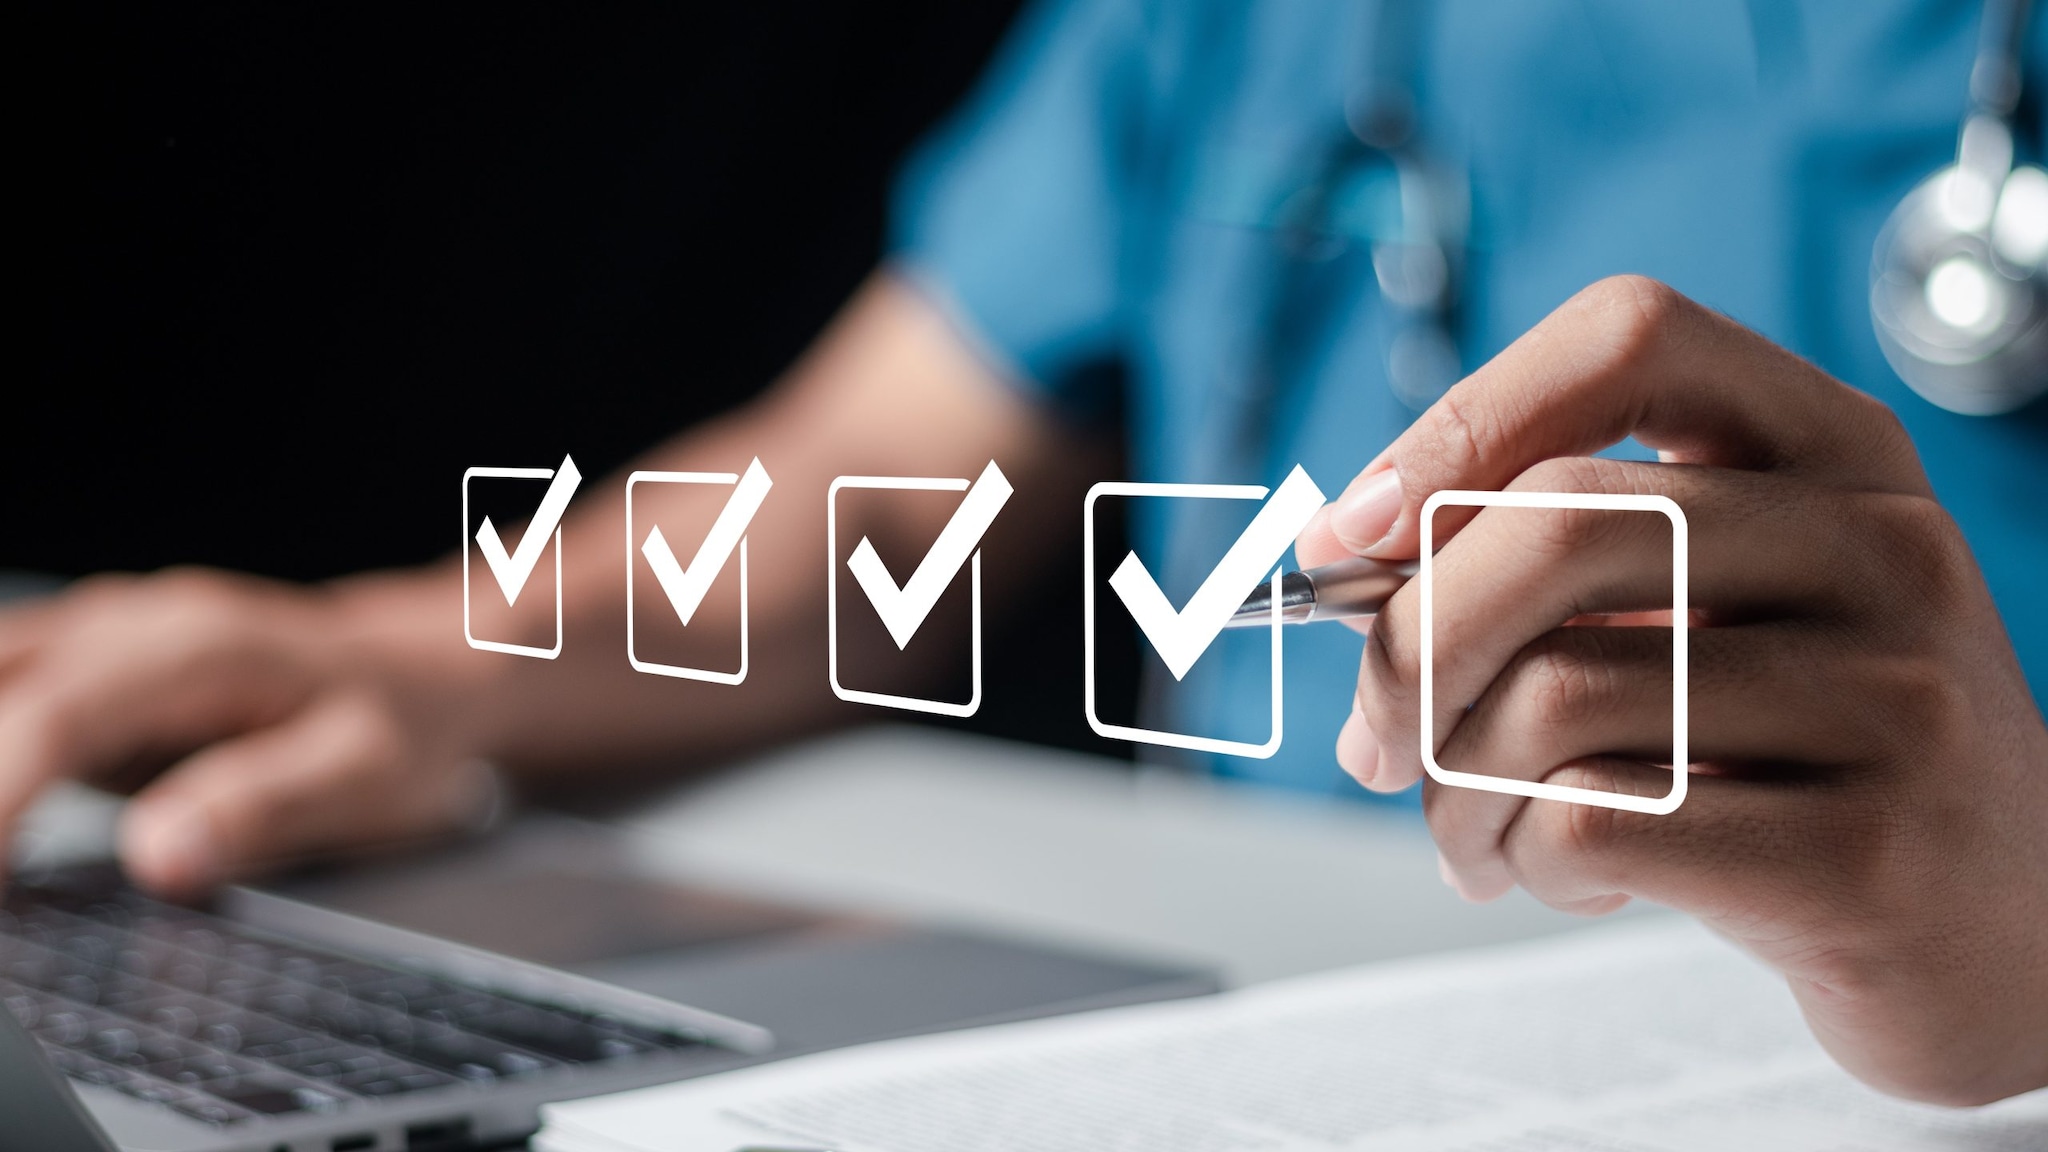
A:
(1868, 807)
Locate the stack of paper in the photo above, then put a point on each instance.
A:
(1646, 1037)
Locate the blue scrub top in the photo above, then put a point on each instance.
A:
(1103, 219)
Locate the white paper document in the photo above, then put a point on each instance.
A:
(1653, 1036)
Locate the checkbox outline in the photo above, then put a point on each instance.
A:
(1680, 630)
(679, 671)
(1159, 737)
(468, 633)
(832, 565)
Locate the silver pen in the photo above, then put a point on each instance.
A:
(1343, 590)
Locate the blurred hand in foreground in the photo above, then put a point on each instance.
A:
(279, 733)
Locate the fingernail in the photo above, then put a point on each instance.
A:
(1358, 751)
(1365, 513)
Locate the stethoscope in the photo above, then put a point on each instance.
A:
(1959, 276)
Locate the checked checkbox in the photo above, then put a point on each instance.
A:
(513, 568)
(1181, 636)
(903, 608)
(683, 587)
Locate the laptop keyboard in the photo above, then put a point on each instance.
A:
(191, 1011)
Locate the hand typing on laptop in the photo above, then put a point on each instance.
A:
(1871, 779)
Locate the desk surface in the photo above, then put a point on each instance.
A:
(967, 831)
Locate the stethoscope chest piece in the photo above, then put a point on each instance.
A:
(1958, 292)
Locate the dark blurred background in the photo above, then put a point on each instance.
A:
(287, 270)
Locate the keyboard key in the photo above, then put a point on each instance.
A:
(210, 1111)
(156, 1092)
(395, 1081)
(77, 986)
(118, 990)
(199, 1069)
(326, 1063)
(175, 1017)
(241, 1031)
(66, 1027)
(94, 1072)
(115, 1044)
(273, 1096)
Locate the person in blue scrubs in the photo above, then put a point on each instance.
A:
(1648, 237)
(1127, 188)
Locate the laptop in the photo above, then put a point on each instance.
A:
(434, 1003)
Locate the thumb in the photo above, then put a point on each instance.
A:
(337, 773)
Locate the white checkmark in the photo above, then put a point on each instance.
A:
(686, 586)
(903, 609)
(513, 570)
(1181, 637)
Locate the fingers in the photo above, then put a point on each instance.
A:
(131, 671)
(1735, 854)
(95, 713)
(1581, 691)
(338, 772)
(1516, 574)
(1629, 356)
(1580, 694)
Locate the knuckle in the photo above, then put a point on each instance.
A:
(1922, 545)
(1569, 530)
(1393, 658)
(1582, 831)
(1562, 688)
(1567, 474)
(1463, 426)
(1636, 315)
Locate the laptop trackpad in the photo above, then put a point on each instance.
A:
(563, 894)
